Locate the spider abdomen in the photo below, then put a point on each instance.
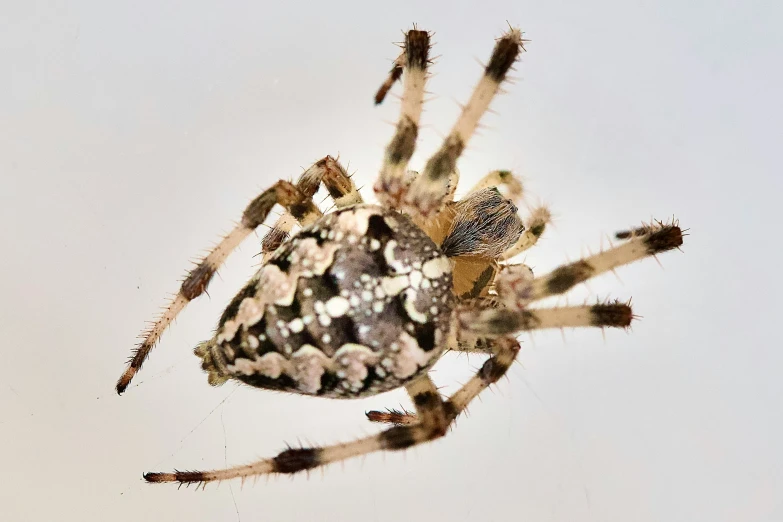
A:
(355, 304)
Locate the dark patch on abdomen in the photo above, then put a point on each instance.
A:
(329, 383)
(371, 378)
(282, 383)
(425, 336)
(233, 307)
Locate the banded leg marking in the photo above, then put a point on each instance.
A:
(433, 424)
(504, 351)
(394, 74)
(391, 185)
(197, 280)
(534, 229)
(517, 288)
(493, 322)
(426, 194)
(501, 178)
(651, 241)
(335, 179)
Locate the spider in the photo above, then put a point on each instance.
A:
(367, 298)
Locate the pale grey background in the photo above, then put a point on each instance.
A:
(133, 133)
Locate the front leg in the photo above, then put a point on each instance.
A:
(391, 184)
(428, 191)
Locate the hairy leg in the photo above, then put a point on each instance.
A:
(487, 325)
(534, 228)
(432, 423)
(503, 352)
(283, 193)
(427, 192)
(501, 178)
(493, 322)
(517, 289)
(335, 179)
(394, 75)
(653, 240)
(414, 61)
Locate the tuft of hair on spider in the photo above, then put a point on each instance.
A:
(366, 298)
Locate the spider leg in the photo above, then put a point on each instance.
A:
(390, 416)
(503, 352)
(452, 185)
(394, 74)
(648, 242)
(391, 185)
(427, 192)
(431, 411)
(284, 193)
(493, 322)
(336, 181)
(496, 328)
(279, 232)
(534, 228)
(501, 178)
(517, 288)
(451, 191)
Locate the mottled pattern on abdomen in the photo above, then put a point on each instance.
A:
(356, 304)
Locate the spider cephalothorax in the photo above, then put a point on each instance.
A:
(367, 298)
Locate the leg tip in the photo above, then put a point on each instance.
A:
(160, 477)
(666, 238)
(123, 383)
(614, 315)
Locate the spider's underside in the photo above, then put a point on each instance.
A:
(367, 298)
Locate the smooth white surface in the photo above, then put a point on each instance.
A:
(133, 133)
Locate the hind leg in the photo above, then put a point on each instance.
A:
(283, 193)
(432, 423)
